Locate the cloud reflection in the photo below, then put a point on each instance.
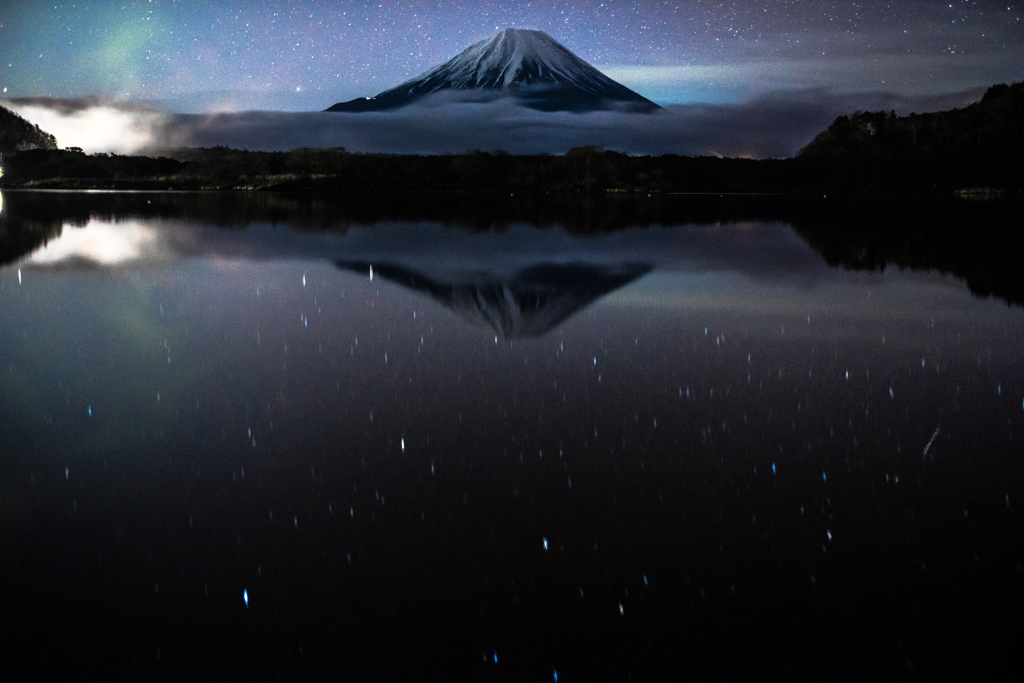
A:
(100, 243)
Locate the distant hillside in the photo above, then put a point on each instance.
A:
(979, 146)
(17, 134)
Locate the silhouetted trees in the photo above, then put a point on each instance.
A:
(979, 146)
(17, 134)
(584, 169)
(73, 169)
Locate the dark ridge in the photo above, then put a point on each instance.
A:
(979, 146)
(18, 135)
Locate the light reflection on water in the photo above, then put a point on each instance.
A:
(99, 243)
(715, 455)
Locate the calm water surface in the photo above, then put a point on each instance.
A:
(281, 443)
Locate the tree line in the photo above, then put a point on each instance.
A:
(584, 169)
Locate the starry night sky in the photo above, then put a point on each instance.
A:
(301, 56)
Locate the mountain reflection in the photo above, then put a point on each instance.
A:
(979, 243)
(530, 303)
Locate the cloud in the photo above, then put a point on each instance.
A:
(774, 125)
(94, 124)
(737, 81)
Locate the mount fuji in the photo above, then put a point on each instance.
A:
(529, 66)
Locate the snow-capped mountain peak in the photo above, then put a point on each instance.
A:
(528, 65)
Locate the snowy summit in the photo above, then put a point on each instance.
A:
(530, 66)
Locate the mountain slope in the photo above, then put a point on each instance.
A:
(528, 65)
(17, 134)
(980, 145)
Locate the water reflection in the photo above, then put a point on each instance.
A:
(699, 450)
(530, 303)
(98, 245)
(978, 243)
(983, 252)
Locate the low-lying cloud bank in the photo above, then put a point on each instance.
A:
(94, 124)
(775, 125)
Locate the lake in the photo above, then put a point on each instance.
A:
(526, 438)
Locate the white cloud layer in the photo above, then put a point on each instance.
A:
(93, 124)
(775, 125)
